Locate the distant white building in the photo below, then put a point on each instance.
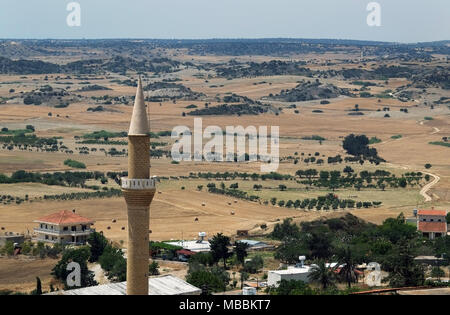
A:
(292, 273)
(64, 227)
(193, 246)
(256, 245)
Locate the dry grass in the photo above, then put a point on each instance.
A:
(19, 274)
(173, 212)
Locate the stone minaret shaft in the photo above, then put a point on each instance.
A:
(138, 189)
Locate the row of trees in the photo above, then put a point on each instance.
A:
(233, 192)
(326, 202)
(71, 179)
(379, 178)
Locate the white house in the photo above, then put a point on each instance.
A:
(193, 246)
(292, 273)
(64, 227)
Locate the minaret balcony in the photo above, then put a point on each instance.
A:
(138, 184)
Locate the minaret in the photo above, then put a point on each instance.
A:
(138, 189)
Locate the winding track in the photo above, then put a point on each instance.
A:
(427, 187)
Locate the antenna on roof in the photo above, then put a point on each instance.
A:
(202, 236)
(302, 261)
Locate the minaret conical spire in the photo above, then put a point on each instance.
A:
(139, 121)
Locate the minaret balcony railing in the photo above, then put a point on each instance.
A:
(138, 184)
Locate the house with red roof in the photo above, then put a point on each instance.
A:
(432, 223)
(63, 227)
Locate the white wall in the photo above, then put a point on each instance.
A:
(274, 277)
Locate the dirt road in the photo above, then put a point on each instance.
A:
(427, 187)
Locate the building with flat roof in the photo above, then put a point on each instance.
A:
(256, 245)
(292, 273)
(63, 227)
(161, 285)
(11, 237)
(193, 246)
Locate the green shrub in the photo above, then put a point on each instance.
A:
(74, 164)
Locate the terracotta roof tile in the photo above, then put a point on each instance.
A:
(440, 227)
(433, 212)
(64, 217)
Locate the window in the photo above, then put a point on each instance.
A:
(66, 228)
(74, 228)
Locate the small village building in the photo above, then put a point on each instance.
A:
(256, 245)
(292, 273)
(430, 260)
(15, 238)
(193, 246)
(432, 223)
(160, 285)
(184, 254)
(63, 227)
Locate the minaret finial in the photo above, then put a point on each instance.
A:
(139, 121)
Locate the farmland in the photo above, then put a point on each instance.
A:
(80, 112)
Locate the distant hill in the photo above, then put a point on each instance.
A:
(116, 64)
(307, 91)
(144, 48)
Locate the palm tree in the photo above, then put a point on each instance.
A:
(347, 259)
(323, 274)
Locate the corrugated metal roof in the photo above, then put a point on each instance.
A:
(194, 246)
(162, 285)
(252, 242)
(292, 271)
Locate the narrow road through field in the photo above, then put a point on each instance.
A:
(427, 187)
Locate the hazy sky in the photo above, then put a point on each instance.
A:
(401, 20)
